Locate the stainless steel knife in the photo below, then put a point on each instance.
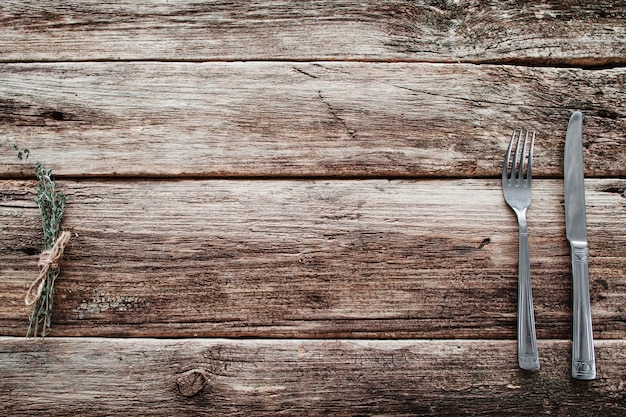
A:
(583, 357)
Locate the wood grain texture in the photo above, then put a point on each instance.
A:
(149, 377)
(303, 119)
(375, 258)
(538, 32)
(223, 163)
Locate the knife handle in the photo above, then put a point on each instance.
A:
(527, 351)
(583, 357)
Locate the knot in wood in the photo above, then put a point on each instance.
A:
(191, 382)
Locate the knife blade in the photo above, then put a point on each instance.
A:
(583, 356)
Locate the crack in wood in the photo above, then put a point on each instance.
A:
(340, 120)
(301, 71)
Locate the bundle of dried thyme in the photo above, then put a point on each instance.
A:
(51, 207)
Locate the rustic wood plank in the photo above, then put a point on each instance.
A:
(561, 32)
(301, 377)
(303, 119)
(373, 258)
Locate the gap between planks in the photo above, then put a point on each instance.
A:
(565, 63)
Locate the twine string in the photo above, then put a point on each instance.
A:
(48, 260)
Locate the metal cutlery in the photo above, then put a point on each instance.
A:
(583, 357)
(516, 187)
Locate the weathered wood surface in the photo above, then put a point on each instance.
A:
(157, 135)
(303, 119)
(301, 377)
(536, 32)
(371, 258)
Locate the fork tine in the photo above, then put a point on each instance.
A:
(530, 157)
(514, 167)
(507, 158)
(520, 176)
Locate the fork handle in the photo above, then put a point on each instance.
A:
(583, 357)
(527, 352)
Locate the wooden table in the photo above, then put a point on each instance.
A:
(294, 208)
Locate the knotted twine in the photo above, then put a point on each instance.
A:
(48, 260)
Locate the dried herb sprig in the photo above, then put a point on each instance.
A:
(51, 207)
(22, 153)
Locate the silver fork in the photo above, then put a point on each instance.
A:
(516, 186)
